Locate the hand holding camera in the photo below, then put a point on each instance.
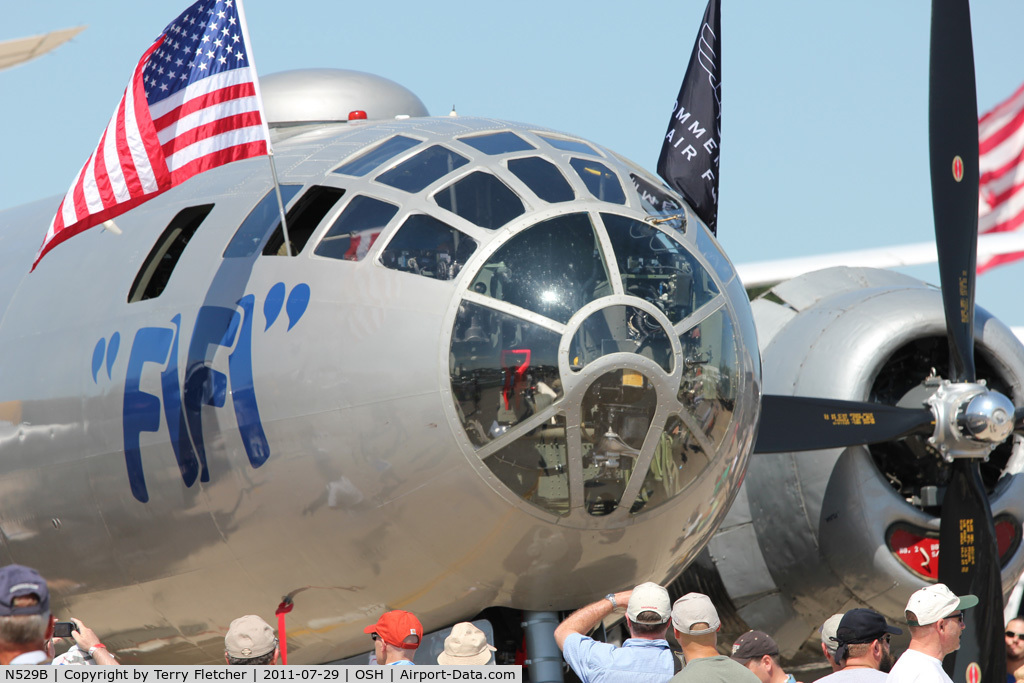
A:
(64, 629)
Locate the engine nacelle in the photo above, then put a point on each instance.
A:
(844, 528)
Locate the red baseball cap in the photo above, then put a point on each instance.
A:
(397, 625)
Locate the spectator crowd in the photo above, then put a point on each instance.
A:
(856, 645)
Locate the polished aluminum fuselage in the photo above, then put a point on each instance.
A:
(364, 493)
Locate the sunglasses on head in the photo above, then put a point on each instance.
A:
(1011, 634)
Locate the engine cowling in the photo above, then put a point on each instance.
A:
(842, 528)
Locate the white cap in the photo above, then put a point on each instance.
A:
(649, 597)
(828, 632)
(936, 602)
(694, 608)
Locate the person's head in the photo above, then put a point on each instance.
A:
(757, 651)
(466, 644)
(648, 611)
(396, 635)
(24, 607)
(863, 638)
(828, 640)
(250, 640)
(695, 620)
(1015, 639)
(936, 617)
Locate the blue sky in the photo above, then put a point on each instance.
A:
(824, 142)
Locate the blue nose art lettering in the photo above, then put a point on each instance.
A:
(298, 300)
(215, 326)
(97, 358)
(247, 412)
(272, 304)
(141, 412)
(112, 348)
(174, 411)
(183, 399)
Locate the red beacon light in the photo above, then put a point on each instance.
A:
(356, 115)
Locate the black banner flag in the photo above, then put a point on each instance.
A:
(689, 155)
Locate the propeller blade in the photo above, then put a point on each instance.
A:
(968, 555)
(797, 423)
(969, 563)
(953, 146)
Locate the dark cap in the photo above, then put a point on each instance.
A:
(861, 626)
(754, 644)
(16, 581)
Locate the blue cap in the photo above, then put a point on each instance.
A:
(16, 581)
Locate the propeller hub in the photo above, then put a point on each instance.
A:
(951, 405)
(989, 417)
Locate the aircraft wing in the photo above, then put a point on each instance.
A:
(768, 273)
(20, 50)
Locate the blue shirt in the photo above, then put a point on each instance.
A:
(638, 660)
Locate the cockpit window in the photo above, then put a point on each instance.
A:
(425, 246)
(368, 161)
(498, 143)
(600, 180)
(536, 466)
(481, 199)
(618, 409)
(303, 219)
(576, 146)
(615, 329)
(655, 267)
(601, 356)
(261, 220)
(553, 268)
(356, 229)
(156, 270)
(711, 376)
(503, 369)
(543, 177)
(678, 460)
(713, 252)
(656, 199)
(414, 174)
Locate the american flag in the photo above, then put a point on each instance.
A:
(360, 243)
(192, 104)
(1001, 171)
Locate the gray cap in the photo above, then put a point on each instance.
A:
(828, 632)
(249, 637)
(695, 608)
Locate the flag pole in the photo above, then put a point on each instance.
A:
(266, 129)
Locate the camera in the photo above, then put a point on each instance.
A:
(63, 629)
